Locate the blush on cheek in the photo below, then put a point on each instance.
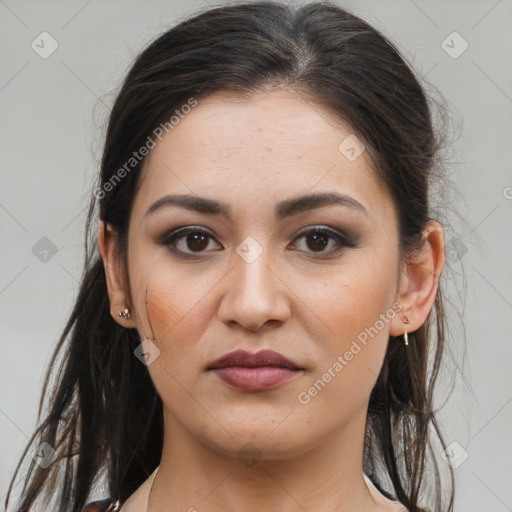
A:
(162, 315)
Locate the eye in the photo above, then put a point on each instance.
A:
(319, 238)
(193, 238)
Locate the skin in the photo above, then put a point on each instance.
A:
(252, 153)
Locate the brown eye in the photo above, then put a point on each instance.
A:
(196, 241)
(187, 241)
(317, 240)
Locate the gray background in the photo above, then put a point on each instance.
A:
(53, 112)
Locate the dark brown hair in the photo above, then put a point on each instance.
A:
(103, 413)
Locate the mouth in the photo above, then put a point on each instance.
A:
(255, 372)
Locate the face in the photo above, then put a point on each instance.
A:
(315, 280)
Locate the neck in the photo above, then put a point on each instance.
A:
(193, 475)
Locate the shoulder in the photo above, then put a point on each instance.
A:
(108, 505)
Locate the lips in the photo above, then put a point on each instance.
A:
(262, 358)
(254, 372)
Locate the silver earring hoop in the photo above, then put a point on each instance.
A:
(125, 314)
(406, 321)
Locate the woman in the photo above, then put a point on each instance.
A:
(254, 320)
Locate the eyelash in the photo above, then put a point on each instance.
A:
(343, 242)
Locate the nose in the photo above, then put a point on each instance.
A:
(256, 294)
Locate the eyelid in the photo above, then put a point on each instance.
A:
(343, 241)
(182, 231)
(335, 233)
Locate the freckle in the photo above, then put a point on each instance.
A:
(259, 129)
(268, 149)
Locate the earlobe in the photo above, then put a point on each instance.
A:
(419, 281)
(115, 275)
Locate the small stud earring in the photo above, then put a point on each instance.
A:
(406, 321)
(125, 313)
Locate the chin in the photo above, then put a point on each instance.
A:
(261, 441)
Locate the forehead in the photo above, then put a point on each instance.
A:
(265, 147)
(260, 127)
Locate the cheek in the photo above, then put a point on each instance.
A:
(178, 310)
(162, 314)
(351, 298)
(354, 310)
(164, 296)
(176, 326)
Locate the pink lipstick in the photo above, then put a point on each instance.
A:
(255, 372)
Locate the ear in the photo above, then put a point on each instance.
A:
(115, 273)
(419, 281)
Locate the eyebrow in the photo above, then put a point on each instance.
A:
(283, 209)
